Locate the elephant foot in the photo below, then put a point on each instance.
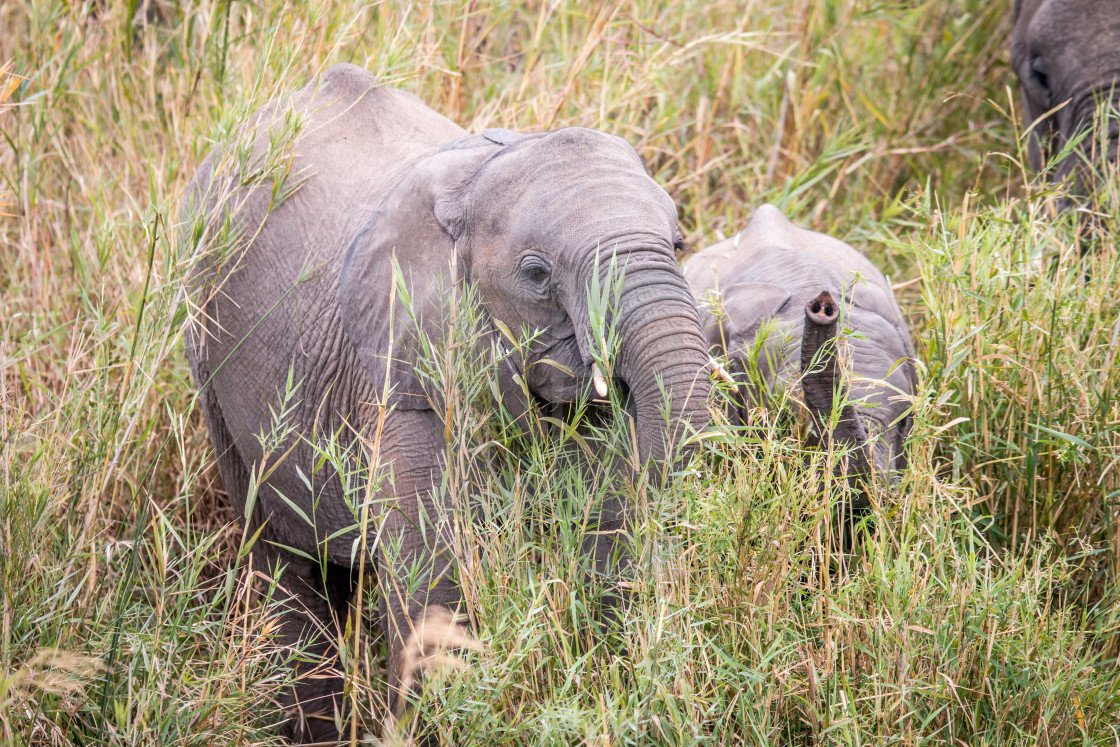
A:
(434, 645)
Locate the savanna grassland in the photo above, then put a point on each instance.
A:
(982, 609)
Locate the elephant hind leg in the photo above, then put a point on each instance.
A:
(308, 597)
(316, 598)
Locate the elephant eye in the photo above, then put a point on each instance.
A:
(535, 270)
(1039, 72)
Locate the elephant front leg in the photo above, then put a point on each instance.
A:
(606, 545)
(420, 596)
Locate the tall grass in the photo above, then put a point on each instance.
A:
(982, 610)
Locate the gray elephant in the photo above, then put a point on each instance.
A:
(296, 283)
(1067, 56)
(776, 297)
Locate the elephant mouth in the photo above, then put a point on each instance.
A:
(595, 412)
(558, 374)
(583, 382)
(561, 374)
(617, 386)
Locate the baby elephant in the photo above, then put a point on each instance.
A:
(783, 302)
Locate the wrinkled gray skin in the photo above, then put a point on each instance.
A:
(1068, 52)
(377, 174)
(788, 291)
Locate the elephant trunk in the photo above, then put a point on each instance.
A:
(663, 358)
(821, 383)
(1093, 113)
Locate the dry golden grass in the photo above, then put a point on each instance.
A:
(983, 610)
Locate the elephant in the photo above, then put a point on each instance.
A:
(781, 301)
(1066, 54)
(305, 231)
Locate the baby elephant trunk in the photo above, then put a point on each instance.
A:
(821, 384)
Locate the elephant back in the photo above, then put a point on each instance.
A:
(306, 171)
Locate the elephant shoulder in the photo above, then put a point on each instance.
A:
(351, 102)
(343, 137)
(359, 134)
(306, 168)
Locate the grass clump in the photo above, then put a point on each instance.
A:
(982, 608)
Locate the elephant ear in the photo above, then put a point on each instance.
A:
(413, 232)
(416, 232)
(741, 309)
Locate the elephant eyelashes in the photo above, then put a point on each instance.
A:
(535, 270)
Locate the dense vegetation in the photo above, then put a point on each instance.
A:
(983, 609)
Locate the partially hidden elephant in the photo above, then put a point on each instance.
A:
(1066, 54)
(786, 304)
(301, 324)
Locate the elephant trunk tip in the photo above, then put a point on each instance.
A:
(821, 314)
(822, 310)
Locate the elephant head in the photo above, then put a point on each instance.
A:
(872, 420)
(531, 220)
(1066, 54)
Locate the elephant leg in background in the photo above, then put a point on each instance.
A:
(416, 571)
(607, 545)
(315, 600)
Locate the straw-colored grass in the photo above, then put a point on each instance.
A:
(982, 610)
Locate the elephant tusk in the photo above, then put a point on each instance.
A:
(599, 380)
(721, 373)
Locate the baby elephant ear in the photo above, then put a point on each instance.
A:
(741, 310)
(416, 225)
(454, 170)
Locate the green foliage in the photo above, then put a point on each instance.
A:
(980, 610)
